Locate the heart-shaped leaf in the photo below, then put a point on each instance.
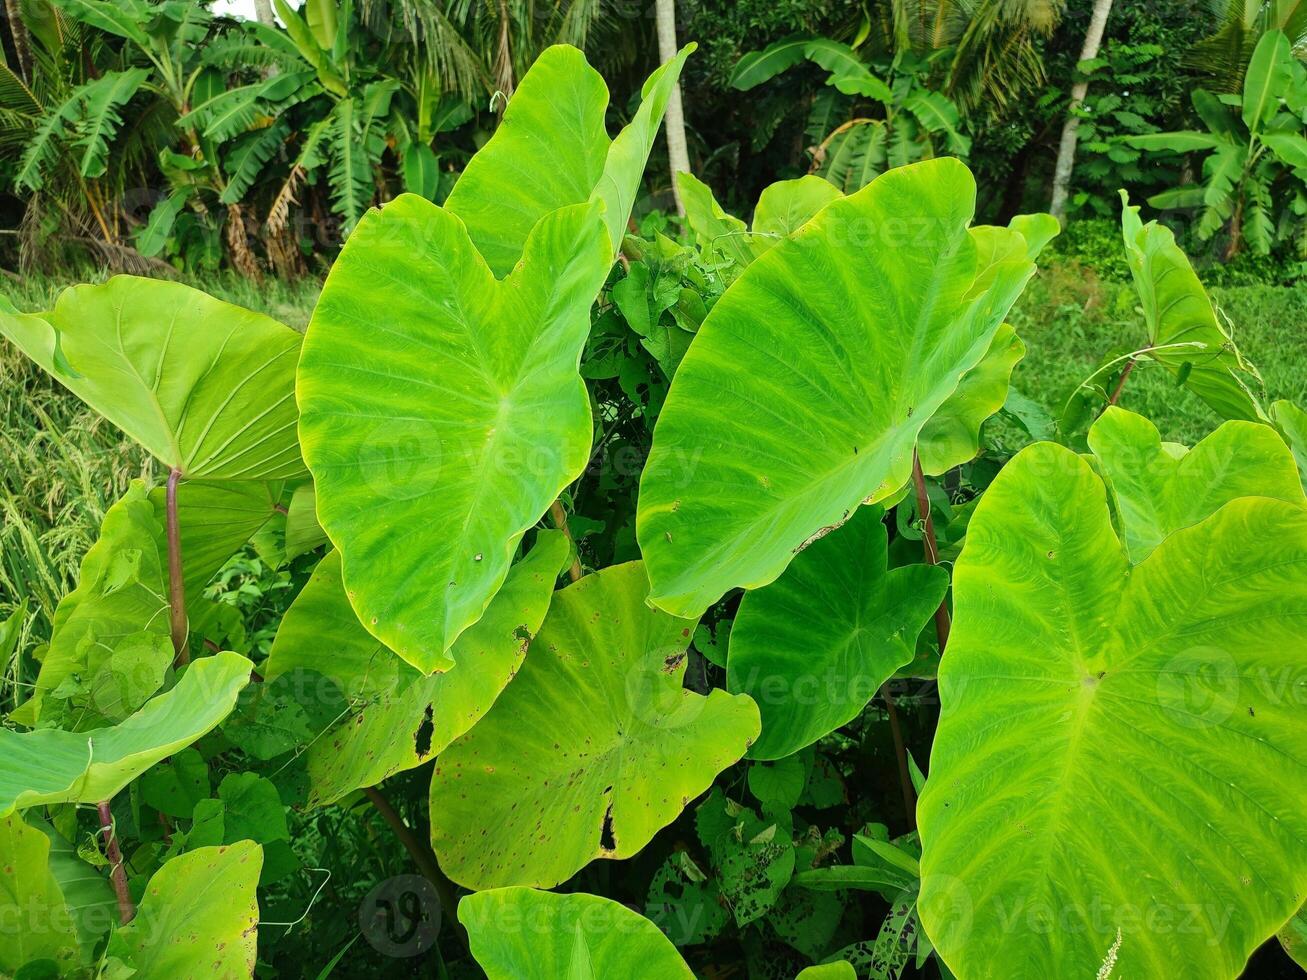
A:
(53, 766)
(204, 386)
(31, 901)
(815, 646)
(199, 916)
(797, 402)
(110, 645)
(1119, 764)
(952, 436)
(443, 411)
(120, 604)
(552, 150)
(1157, 489)
(524, 934)
(399, 717)
(592, 748)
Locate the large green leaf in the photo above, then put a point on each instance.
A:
(1267, 80)
(443, 411)
(1291, 422)
(199, 917)
(400, 718)
(524, 934)
(110, 635)
(110, 644)
(1120, 748)
(1177, 310)
(592, 748)
(952, 436)
(86, 891)
(757, 67)
(215, 520)
(795, 404)
(787, 205)
(552, 150)
(37, 922)
(1157, 489)
(205, 386)
(815, 646)
(53, 766)
(1293, 937)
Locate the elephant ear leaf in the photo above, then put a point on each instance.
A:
(110, 646)
(1159, 489)
(756, 452)
(110, 633)
(1184, 334)
(593, 748)
(206, 387)
(1291, 422)
(1072, 683)
(54, 766)
(399, 718)
(576, 936)
(813, 663)
(207, 896)
(787, 205)
(30, 895)
(952, 436)
(552, 150)
(1037, 229)
(442, 411)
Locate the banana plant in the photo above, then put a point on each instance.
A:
(1254, 154)
(910, 121)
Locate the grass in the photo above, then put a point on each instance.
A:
(1069, 318)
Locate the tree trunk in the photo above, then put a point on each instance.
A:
(22, 42)
(674, 121)
(263, 12)
(1066, 150)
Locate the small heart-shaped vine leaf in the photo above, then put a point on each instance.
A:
(1119, 745)
(593, 747)
(816, 645)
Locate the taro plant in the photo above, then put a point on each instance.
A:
(699, 751)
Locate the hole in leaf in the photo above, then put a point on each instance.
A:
(607, 842)
(422, 737)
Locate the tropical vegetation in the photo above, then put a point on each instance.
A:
(445, 536)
